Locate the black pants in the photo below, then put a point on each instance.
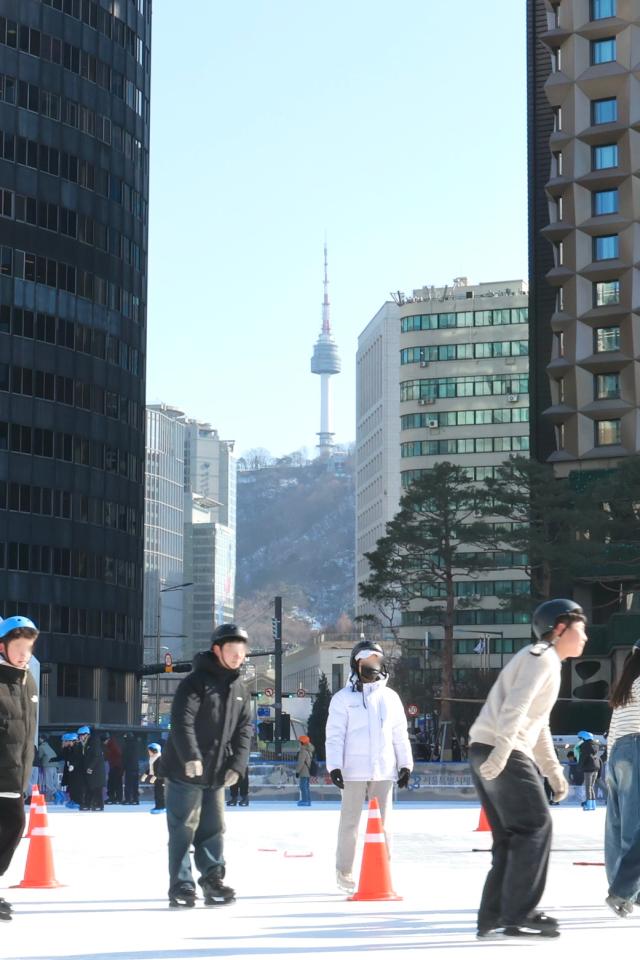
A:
(158, 794)
(114, 785)
(241, 787)
(12, 822)
(131, 786)
(518, 814)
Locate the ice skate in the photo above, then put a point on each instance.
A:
(534, 927)
(216, 893)
(158, 810)
(620, 906)
(489, 933)
(244, 802)
(6, 910)
(184, 895)
(232, 803)
(345, 882)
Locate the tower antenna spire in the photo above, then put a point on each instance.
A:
(325, 362)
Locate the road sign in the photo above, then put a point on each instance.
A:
(264, 711)
(268, 691)
(168, 663)
(301, 692)
(412, 710)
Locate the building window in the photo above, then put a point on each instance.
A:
(606, 248)
(606, 293)
(606, 339)
(604, 111)
(560, 343)
(601, 9)
(558, 159)
(560, 298)
(606, 386)
(604, 201)
(603, 51)
(560, 444)
(559, 253)
(74, 681)
(557, 118)
(560, 208)
(605, 157)
(608, 432)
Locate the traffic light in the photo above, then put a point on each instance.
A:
(265, 730)
(275, 628)
(285, 726)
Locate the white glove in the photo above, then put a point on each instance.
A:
(231, 778)
(559, 785)
(193, 768)
(494, 764)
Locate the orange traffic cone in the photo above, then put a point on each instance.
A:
(483, 823)
(34, 806)
(39, 870)
(375, 877)
(37, 812)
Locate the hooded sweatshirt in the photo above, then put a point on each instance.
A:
(366, 735)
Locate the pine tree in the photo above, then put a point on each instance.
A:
(437, 539)
(317, 723)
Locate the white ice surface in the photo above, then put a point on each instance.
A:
(280, 859)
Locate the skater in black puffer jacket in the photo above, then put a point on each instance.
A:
(207, 750)
(18, 713)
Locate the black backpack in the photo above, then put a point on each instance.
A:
(313, 767)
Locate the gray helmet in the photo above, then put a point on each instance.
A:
(547, 614)
(228, 632)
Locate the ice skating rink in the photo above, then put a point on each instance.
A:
(280, 859)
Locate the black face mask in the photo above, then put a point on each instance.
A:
(371, 674)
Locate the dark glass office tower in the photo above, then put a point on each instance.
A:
(74, 175)
(542, 296)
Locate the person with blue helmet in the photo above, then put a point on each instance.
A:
(151, 775)
(71, 773)
(18, 721)
(92, 768)
(589, 764)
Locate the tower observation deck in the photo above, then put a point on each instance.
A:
(325, 362)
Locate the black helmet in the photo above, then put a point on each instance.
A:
(369, 647)
(547, 614)
(228, 632)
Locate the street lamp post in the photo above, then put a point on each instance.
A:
(161, 590)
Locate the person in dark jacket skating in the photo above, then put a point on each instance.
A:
(154, 752)
(92, 766)
(131, 770)
(207, 750)
(72, 778)
(589, 765)
(18, 719)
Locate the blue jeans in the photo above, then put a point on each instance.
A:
(195, 816)
(622, 828)
(305, 795)
(518, 814)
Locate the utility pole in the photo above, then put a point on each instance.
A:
(277, 637)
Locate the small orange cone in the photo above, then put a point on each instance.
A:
(483, 823)
(37, 810)
(375, 877)
(39, 871)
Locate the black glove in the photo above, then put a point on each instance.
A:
(403, 777)
(336, 777)
(297, 775)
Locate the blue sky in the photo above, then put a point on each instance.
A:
(397, 128)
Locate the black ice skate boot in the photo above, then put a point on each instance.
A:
(183, 895)
(5, 909)
(214, 890)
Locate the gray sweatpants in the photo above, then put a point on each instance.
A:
(353, 797)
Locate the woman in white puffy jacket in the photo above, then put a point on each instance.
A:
(367, 748)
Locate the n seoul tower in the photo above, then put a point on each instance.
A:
(326, 362)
